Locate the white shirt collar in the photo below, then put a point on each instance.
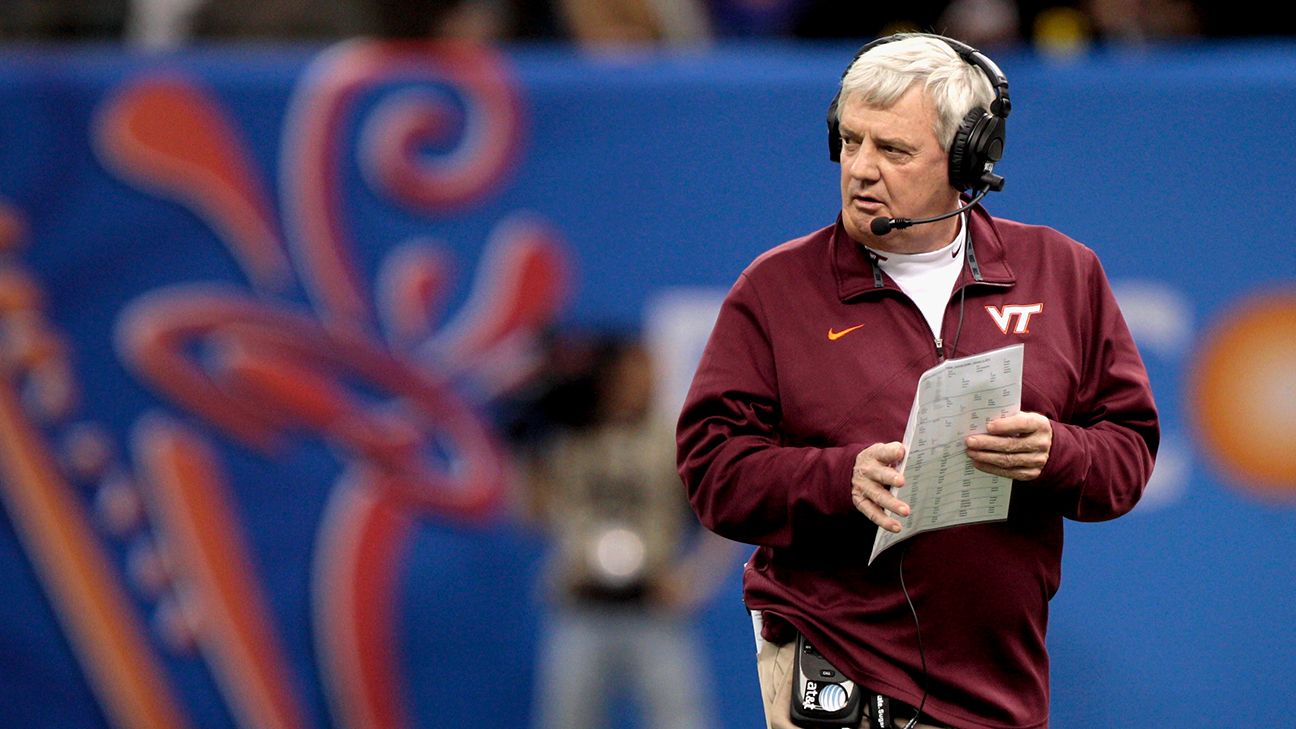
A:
(952, 250)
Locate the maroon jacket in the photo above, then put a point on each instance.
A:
(780, 407)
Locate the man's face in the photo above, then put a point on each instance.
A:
(893, 166)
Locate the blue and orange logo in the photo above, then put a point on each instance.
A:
(1243, 395)
(375, 373)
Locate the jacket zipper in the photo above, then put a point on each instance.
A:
(972, 265)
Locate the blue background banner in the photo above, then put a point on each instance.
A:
(260, 309)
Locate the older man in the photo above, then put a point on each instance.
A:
(789, 436)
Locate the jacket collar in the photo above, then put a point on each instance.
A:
(855, 272)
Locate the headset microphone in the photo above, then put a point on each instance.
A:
(882, 226)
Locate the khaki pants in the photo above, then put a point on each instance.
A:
(774, 664)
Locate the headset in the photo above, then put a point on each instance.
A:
(978, 143)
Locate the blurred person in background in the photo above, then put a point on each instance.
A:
(629, 566)
(481, 21)
(982, 23)
(171, 23)
(1067, 27)
(1129, 22)
(603, 24)
(62, 20)
(756, 18)
(267, 20)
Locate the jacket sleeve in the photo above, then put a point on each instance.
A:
(744, 483)
(1102, 457)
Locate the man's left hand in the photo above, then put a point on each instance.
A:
(1016, 446)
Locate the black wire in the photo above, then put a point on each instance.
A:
(958, 333)
(922, 654)
(904, 549)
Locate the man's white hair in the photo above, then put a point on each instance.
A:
(883, 74)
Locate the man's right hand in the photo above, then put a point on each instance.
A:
(873, 478)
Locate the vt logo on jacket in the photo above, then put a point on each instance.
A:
(1005, 316)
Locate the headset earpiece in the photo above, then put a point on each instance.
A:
(834, 131)
(978, 145)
